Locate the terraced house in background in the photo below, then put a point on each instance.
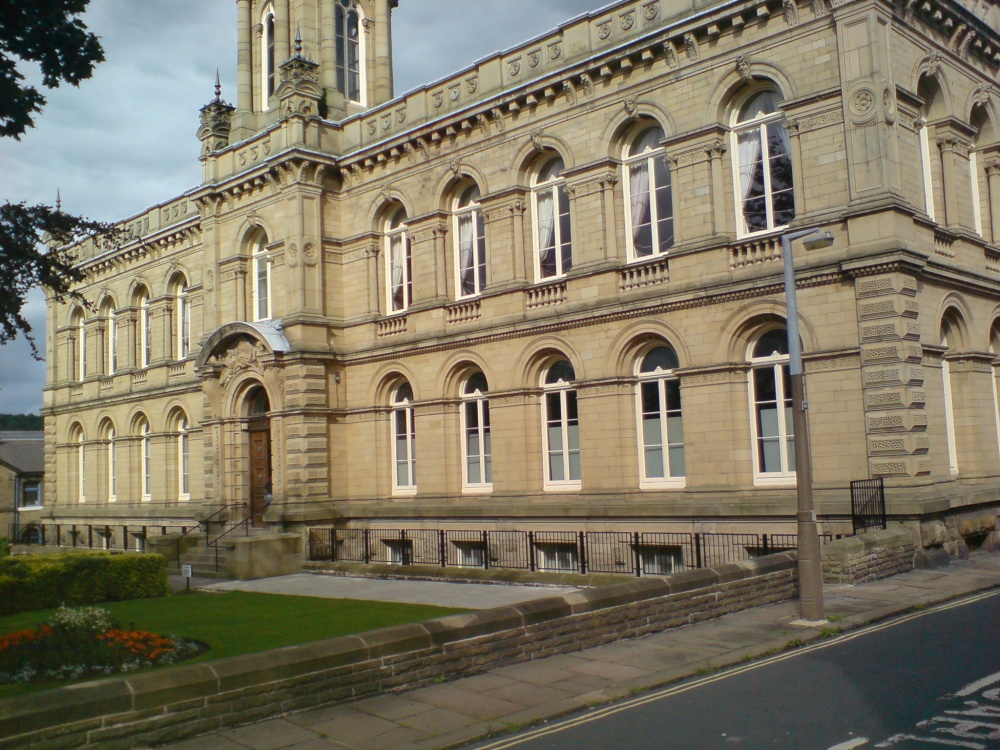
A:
(545, 292)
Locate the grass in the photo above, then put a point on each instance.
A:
(238, 622)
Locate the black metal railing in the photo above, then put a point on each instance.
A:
(868, 504)
(120, 537)
(616, 552)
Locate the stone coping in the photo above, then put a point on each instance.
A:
(152, 692)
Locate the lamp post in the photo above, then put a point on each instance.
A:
(810, 564)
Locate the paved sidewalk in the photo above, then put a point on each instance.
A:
(455, 713)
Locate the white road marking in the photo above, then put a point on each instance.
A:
(975, 687)
(851, 744)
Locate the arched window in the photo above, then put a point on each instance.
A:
(80, 345)
(267, 58)
(399, 262)
(404, 457)
(182, 317)
(983, 137)
(659, 409)
(348, 23)
(648, 198)
(949, 337)
(766, 198)
(561, 437)
(470, 243)
(553, 233)
(476, 447)
(111, 460)
(78, 437)
(262, 263)
(144, 337)
(145, 461)
(929, 91)
(183, 460)
(110, 343)
(771, 399)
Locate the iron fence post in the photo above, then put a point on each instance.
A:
(368, 549)
(765, 543)
(486, 550)
(697, 550)
(531, 551)
(583, 553)
(637, 540)
(441, 547)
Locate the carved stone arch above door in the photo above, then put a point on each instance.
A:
(235, 352)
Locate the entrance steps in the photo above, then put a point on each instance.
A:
(212, 561)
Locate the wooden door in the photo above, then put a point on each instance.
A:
(260, 469)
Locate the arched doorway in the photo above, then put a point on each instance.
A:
(257, 405)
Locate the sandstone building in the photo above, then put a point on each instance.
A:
(546, 291)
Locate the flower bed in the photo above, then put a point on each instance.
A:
(86, 642)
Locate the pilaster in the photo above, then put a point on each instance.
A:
(892, 376)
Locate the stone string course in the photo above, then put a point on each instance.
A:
(161, 707)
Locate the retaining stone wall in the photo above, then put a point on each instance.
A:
(870, 556)
(165, 706)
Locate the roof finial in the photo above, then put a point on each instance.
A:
(58, 201)
(218, 87)
(298, 40)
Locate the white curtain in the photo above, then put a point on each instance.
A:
(466, 243)
(749, 148)
(397, 244)
(546, 225)
(639, 197)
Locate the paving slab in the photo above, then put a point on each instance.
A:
(510, 697)
(437, 593)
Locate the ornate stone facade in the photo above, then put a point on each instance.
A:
(447, 309)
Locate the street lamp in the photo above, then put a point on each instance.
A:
(810, 563)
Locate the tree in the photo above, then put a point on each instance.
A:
(48, 33)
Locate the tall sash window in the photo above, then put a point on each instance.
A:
(648, 196)
(561, 437)
(470, 243)
(348, 26)
(553, 230)
(766, 199)
(476, 428)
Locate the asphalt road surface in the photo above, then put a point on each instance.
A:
(927, 680)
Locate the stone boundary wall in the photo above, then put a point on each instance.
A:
(870, 556)
(165, 706)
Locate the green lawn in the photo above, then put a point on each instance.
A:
(238, 622)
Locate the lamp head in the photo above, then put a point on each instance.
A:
(819, 241)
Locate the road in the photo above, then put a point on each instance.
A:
(927, 680)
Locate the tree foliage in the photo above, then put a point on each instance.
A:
(49, 34)
(19, 422)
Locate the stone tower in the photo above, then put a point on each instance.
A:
(350, 41)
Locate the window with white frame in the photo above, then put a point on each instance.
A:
(661, 559)
(81, 468)
(981, 124)
(31, 494)
(557, 556)
(183, 310)
(262, 263)
(771, 404)
(349, 53)
(112, 466)
(948, 337)
(765, 194)
(649, 205)
(994, 373)
(110, 317)
(399, 263)
(404, 457)
(470, 243)
(476, 446)
(80, 346)
(145, 337)
(267, 58)
(553, 230)
(145, 462)
(660, 427)
(183, 459)
(561, 437)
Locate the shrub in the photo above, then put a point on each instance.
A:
(30, 583)
(77, 643)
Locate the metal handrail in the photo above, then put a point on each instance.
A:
(244, 524)
(204, 521)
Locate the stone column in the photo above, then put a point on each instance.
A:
(371, 264)
(798, 179)
(951, 149)
(442, 261)
(521, 264)
(892, 375)
(607, 184)
(128, 343)
(383, 51)
(244, 57)
(715, 153)
(240, 289)
(328, 49)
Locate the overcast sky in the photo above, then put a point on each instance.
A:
(125, 139)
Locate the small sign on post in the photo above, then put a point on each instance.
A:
(188, 573)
